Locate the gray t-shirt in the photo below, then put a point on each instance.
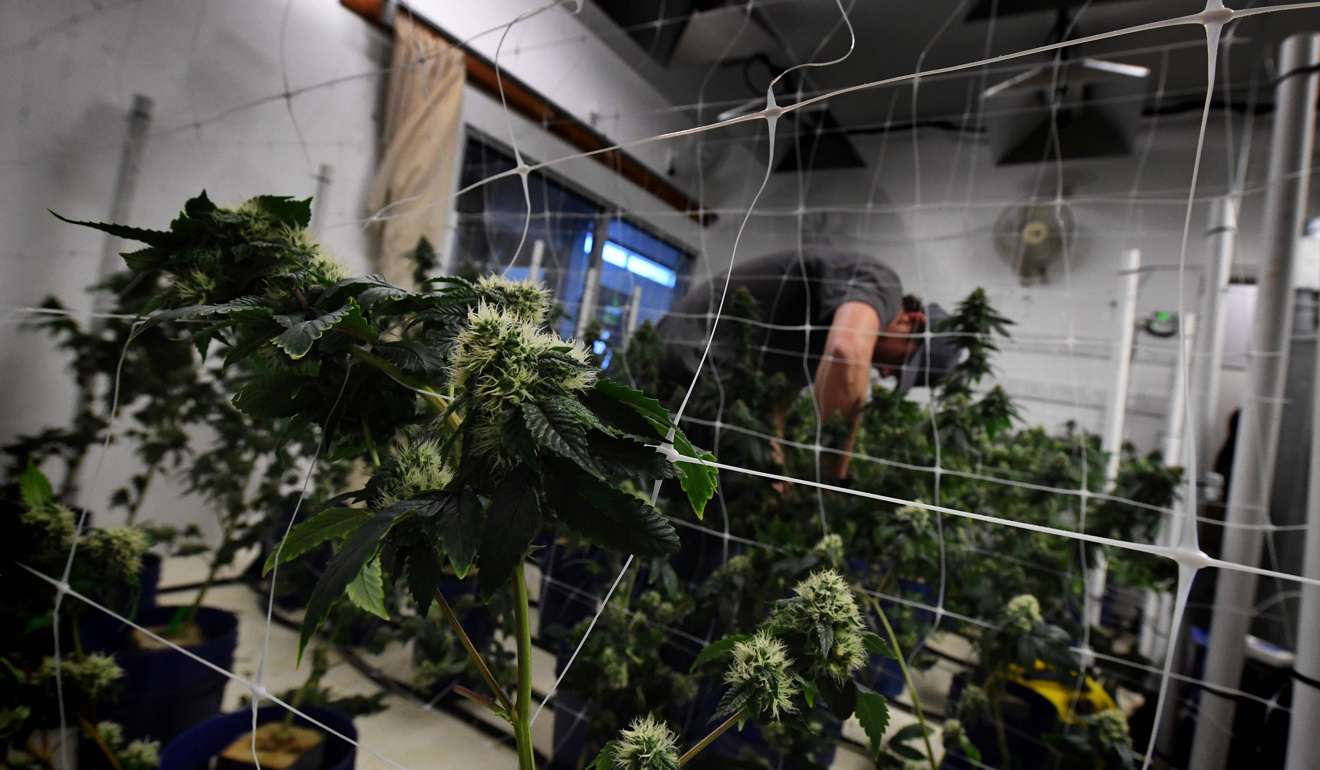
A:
(790, 290)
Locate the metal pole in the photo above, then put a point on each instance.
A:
(1253, 462)
(634, 310)
(1208, 359)
(588, 305)
(130, 163)
(1304, 723)
(538, 254)
(324, 175)
(1157, 620)
(1125, 320)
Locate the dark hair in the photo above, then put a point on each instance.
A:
(913, 304)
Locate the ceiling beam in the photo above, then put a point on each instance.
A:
(532, 105)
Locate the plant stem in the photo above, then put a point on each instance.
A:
(522, 720)
(997, 706)
(131, 519)
(436, 400)
(90, 730)
(472, 653)
(371, 445)
(700, 745)
(907, 679)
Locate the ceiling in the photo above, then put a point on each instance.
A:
(735, 53)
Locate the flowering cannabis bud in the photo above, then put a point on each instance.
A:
(824, 611)
(759, 678)
(646, 744)
(111, 732)
(830, 549)
(973, 703)
(503, 361)
(953, 731)
(1022, 613)
(417, 465)
(524, 300)
(917, 517)
(1111, 728)
(140, 755)
(120, 548)
(91, 674)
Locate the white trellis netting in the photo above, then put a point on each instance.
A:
(303, 145)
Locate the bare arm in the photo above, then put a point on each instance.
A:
(843, 377)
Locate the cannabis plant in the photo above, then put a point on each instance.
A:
(481, 425)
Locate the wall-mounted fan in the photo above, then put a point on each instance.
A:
(1032, 237)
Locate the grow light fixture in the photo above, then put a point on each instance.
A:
(1094, 104)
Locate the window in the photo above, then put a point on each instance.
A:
(638, 275)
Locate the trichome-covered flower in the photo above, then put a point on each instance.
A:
(1110, 728)
(824, 613)
(502, 361)
(830, 549)
(416, 465)
(119, 548)
(524, 300)
(92, 675)
(1022, 613)
(914, 516)
(646, 744)
(760, 678)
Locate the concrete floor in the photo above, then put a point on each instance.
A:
(411, 735)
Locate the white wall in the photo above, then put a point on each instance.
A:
(944, 249)
(205, 65)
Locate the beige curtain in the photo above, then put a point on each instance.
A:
(422, 131)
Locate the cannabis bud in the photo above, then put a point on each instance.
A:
(973, 703)
(416, 465)
(120, 548)
(91, 674)
(1111, 728)
(824, 611)
(953, 731)
(830, 549)
(915, 516)
(646, 744)
(503, 361)
(759, 678)
(526, 301)
(1022, 613)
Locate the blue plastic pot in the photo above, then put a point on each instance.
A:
(164, 691)
(194, 749)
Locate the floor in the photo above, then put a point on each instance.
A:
(411, 735)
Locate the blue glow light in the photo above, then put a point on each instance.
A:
(586, 244)
(614, 254)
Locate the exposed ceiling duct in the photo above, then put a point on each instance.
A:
(1082, 108)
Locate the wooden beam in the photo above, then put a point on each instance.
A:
(525, 101)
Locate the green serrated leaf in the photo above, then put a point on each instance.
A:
(610, 517)
(876, 645)
(424, 573)
(34, 488)
(330, 524)
(343, 569)
(293, 212)
(605, 759)
(563, 438)
(271, 397)
(367, 590)
(698, 481)
(872, 712)
(717, 650)
(513, 518)
(908, 733)
(150, 237)
(462, 533)
(299, 335)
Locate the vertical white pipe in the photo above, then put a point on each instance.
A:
(634, 311)
(587, 307)
(1291, 144)
(1156, 621)
(1304, 722)
(538, 254)
(1208, 358)
(1111, 441)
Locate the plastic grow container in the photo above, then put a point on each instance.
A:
(195, 748)
(164, 691)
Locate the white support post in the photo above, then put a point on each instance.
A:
(1125, 324)
(538, 254)
(1304, 722)
(1287, 184)
(324, 175)
(587, 307)
(1157, 619)
(1208, 358)
(634, 311)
